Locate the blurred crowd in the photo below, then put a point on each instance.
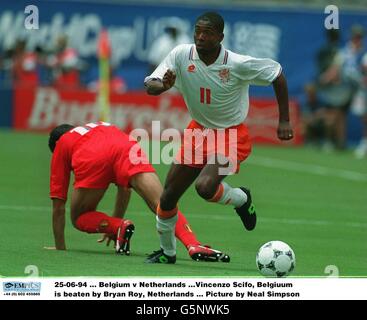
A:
(339, 87)
(60, 67)
(63, 68)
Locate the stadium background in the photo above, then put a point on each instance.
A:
(313, 201)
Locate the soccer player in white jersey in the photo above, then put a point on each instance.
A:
(214, 83)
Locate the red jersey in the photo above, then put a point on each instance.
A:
(98, 154)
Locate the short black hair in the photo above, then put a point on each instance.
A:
(214, 18)
(56, 134)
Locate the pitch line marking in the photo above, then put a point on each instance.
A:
(307, 168)
(312, 222)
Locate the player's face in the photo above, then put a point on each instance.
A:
(206, 37)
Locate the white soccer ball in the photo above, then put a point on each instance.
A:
(275, 259)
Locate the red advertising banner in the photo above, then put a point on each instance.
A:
(42, 108)
(263, 118)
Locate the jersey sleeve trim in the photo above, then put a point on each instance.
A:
(191, 54)
(147, 79)
(225, 59)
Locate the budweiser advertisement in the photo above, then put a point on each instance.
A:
(42, 108)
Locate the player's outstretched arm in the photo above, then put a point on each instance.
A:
(156, 86)
(58, 223)
(285, 131)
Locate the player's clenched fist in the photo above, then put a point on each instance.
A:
(285, 131)
(169, 79)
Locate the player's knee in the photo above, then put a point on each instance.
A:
(205, 187)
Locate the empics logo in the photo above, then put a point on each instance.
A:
(8, 285)
(22, 287)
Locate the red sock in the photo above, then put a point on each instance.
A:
(98, 222)
(184, 233)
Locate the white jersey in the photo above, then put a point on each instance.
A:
(216, 95)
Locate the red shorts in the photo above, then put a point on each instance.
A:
(201, 146)
(108, 158)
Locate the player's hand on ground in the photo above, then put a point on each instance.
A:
(108, 237)
(169, 79)
(285, 131)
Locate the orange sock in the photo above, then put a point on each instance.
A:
(98, 222)
(166, 214)
(218, 194)
(184, 233)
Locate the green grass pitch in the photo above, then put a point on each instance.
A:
(315, 202)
